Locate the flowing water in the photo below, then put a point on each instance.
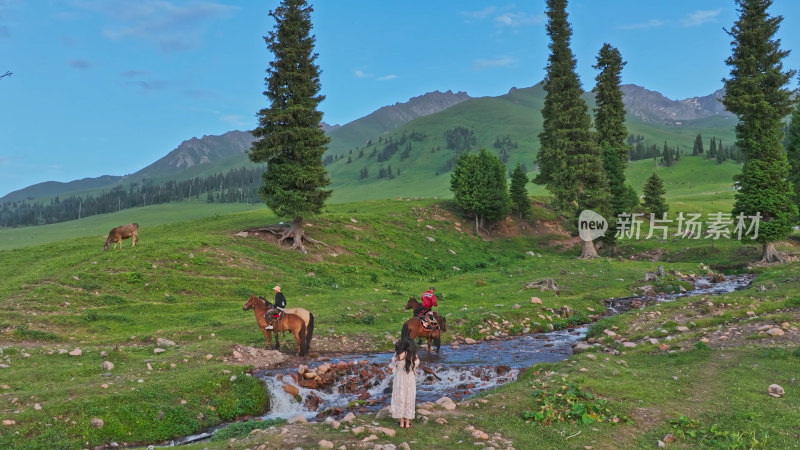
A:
(462, 370)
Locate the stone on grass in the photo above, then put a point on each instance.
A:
(387, 431)
(76, 352)
(297, 419)
(325, 444)
(161, 342)
(383, 413)
(775, 391)
(97, 422)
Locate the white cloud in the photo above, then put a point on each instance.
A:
(652, 23)
(236, 119)
(361, 74)
(518, 19)
(700, 17)
(478, 15)
(504, 61)
(387, 77)
(169, 26)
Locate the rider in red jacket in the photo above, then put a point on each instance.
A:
(428, 302)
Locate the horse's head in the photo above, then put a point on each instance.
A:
(442, 322)
(250, 304)
(412, 303)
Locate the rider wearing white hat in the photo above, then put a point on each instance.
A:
(280, 304)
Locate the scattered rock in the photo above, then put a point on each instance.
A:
(291, 390)
(775, 391)
(108, 366)
(325, 444)
(478, 434)
(161, 342)
(297, 419)
(97, 423)
(76, 352)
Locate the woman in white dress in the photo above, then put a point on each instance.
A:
(404, 387)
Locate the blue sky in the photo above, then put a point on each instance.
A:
(109, 86)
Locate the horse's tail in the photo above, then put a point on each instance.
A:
(301, 343)
(309, 331)
(405, 332)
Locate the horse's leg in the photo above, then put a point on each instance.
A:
(267, 338)
(299, 340)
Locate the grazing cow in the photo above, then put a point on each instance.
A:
(116, 235)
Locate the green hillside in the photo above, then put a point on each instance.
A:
(514, 116)
(693, 184)
(425, 172)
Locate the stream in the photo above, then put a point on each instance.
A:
(362, 383)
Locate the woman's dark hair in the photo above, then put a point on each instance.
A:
(408, 346)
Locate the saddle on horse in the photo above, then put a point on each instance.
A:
(428, 321)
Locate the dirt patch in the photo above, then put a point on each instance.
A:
(322, 349)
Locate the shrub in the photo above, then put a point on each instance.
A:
(572, 404)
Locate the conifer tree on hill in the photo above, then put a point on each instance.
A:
(756, 92)
(654, 200)
(793, 152)
(480, 188)
(290, 139)
(612, 134)
(569, 158)
(520, 203)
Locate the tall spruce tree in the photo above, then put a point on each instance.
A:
(291, 141)
(612, 135)
(569, 160)
(756, 92)
(654, 200)
(793, 152)
(520, 203)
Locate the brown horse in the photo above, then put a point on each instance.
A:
(413, 304)
(262, 307)
(293, 323)
(413, 328)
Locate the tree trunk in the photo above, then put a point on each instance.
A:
(295, 232)
(588, 252)
(770, 253)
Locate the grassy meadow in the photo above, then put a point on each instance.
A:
(192, 270)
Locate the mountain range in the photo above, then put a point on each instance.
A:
(514, 115)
